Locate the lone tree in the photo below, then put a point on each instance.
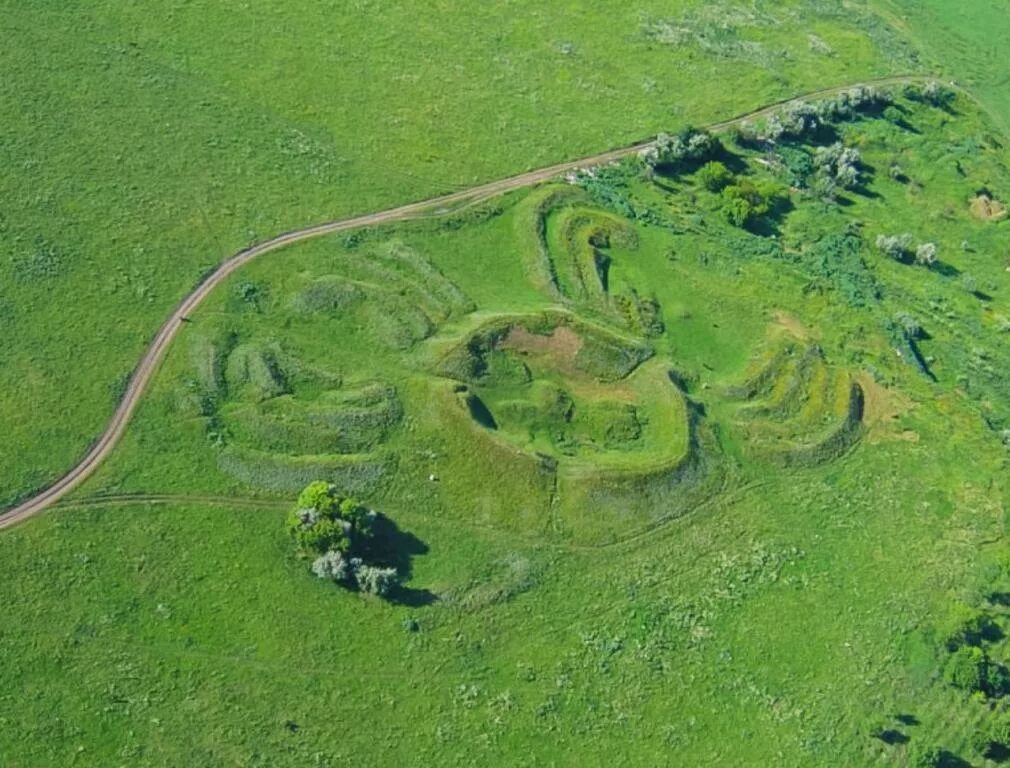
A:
(338, 533)
(925, 254)
(838, 165)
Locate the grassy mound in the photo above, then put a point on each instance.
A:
(797, 409)
(557, 339)
(571, 247)
(391, 289)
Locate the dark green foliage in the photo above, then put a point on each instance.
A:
(746, 200)
(608, 188)
(338, 532)
(836, 259)
(967, 668)
(797, 164)
(41, 262)
(714, 176)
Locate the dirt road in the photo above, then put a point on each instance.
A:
(145, 370)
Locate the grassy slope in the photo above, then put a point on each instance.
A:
(767, 631)
(963, 40)
(141, 148)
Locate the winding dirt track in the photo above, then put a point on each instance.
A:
(436, 206)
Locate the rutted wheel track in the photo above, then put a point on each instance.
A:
(437, 206)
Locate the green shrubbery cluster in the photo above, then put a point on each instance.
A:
(338, 533)
(746, 200)
(899, 248)
(673, 152)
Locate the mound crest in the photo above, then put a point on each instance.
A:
(589, 416)
(797, 410)
(392, 290)
(279, 422)
(574, 254)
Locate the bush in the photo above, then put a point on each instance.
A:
(839, 164)
(967, 668)
(998, 731)
(373, 579)
(925, 254)
(714, 176)
(337, 531)
(746, 200)
(898, 247)
(938, 95)
(332, 565)
(689, 145)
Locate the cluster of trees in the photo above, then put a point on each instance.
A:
(934, 92)
(744, 200)
(899, 248)
(338, 534)
(968, 666)
(801, 119)
(688, 146)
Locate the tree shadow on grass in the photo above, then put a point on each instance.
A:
(998, 753)
(391, 547)
(893, 736)
(949, 760)
(945, 269)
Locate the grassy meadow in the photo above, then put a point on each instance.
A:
(604, 566)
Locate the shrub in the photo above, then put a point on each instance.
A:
(893, 115)
(331, 565)
(746, 200)
(373, 579)
(714, 176)
(838, 164)
(689, 145)
(898, 247)
(998, 731)
(967, 669)
(338, 531)
(937, 94)
(909, 325)
(925, 254)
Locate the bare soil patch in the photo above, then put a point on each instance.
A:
(984, 207)
(562, 344)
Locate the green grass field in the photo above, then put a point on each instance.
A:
(688, 464)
